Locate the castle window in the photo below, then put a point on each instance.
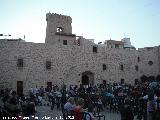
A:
(121, 66)
(150, 63)
(138, 59)
(136, 67)
(64, 42)
(60, 29)
(48, 65)
(104, 67)
(94, 49)
(20, 62)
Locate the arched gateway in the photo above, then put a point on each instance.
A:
(87, 78)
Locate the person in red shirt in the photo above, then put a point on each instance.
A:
(79, 110)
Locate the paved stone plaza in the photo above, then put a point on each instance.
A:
(44, 112)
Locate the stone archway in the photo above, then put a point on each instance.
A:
(87, 78)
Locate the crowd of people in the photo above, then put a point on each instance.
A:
(141, 100)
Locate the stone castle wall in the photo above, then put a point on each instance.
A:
(69, 62)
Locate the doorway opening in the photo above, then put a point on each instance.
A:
(87, 78)
(19, 87)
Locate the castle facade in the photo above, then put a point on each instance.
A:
(68, 59)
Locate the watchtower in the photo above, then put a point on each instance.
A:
(58, 27)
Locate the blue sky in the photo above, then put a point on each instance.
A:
(94, 19)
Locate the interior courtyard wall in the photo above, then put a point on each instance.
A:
(69, 62)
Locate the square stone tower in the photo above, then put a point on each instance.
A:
(58, 26)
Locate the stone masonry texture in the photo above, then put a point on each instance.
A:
(70, 62)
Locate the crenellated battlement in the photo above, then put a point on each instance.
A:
(50, 16)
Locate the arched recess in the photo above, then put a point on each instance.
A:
(87, 78)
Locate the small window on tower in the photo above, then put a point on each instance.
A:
(48, 65)
(64, 42)
(20, 62)
(60, 29)
(94, 49)
(104, 67)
